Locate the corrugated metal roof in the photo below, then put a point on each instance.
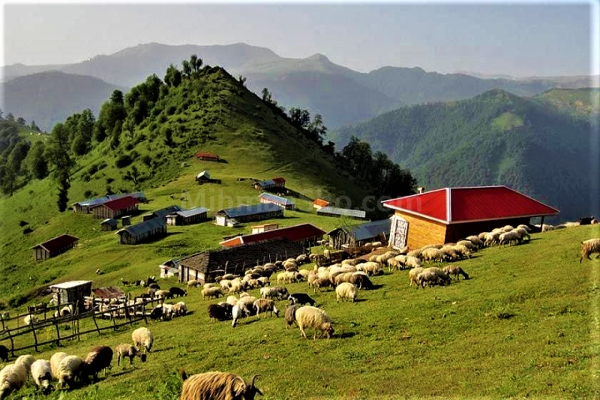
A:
(110, 292)
(371, 229)
(267, 183)
(143, 227)
(321, 203)
(109, 221)
(119, 204)
(163, 212)
(101, 200)
(276, 199)
(243, 211)
(68, 285)
(192, 212)
(293, 233)
(342, 211)
(203, 174)
(57, 243)
(469, 204)
(207, 155)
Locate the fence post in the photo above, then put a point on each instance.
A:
(57, 332)
(94, 318)
(34, 335)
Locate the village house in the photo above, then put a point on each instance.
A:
(305, 234)
(339, 212)
(188, 217)
(274, 183)
(162, 213)
(73, 292)
(54, 247)
(85, 206)
(143, 231)
(450, 214)
(108, 224)
(359, 235)
(115, 208)
(267, 198)
(204, 156)
(248, 213)
(264, 228)
(320, 203)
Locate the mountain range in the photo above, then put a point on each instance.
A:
(341, 95)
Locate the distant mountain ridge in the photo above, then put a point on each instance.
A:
(341, 95)
(495, 138)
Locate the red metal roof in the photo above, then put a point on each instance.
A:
(321, 203)
(467, 204)
(279, 180)
(201, 154)
(293, 233)
(109, 292)
(57, 243)
(120, 204)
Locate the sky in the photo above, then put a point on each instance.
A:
(518, 38)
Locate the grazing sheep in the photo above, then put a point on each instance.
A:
(12, 378)
(3, 353)
(433, 276)
(69, 371)
(240, 310)
(468, 244)
(346, 290)
(220, 312)
(193, 283)
(313, 317)
(361, 281)
(523, 226)
(143, 337)
(177, 292)
(217, 386)
(413, 262)
(301, 298)
(212, 292)
(588, 247)
(321, 283)
(413, 276)
(42, 375)
(163, 294)
(25, 360)
(509, 238)
(492, 238)
(179, 309)
(523, 233)
(372, 268)
(55, 362)
(97, 360)
(455, 271)
(30, 320)
(414, 253)
(433, 254)
(290, 315)
(156, 313)
(126, 350)
(264, 305)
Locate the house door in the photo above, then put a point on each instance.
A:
(398, 233)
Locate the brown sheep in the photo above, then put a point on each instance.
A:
(217, 386)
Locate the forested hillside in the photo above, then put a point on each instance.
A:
(494, 138)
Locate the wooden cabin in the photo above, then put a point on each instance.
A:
(143, 232)
(188, 217)
(54, 247)
(341, 212)
(359, 235)
(306, 234)
(85, 206)
(275, 183)
(264, 228)
(267, 198)
(201, 155)
(162, 213)
(109, 224)
(115, 208)
(248, 213)
(450, 214)
(72, 292)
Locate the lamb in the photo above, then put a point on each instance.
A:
(179, 309)
(265, 305)
(30, 320)
(456, 271)
(220, 312)
(346, 290)
(301, 298)
(217, 386)
(3, 353)
(97, 360)
(176, 291)
(320, 283)
(126, 350)
(588, 247)
(413, 276)
(212, 292)
(290, 315)
(55, 362)
(312, 317)
(69, 371)
(41, 374)
(240, 310)
(432, 276)
(143, 337)
(12, 378)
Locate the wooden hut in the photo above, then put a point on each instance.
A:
(54, 247)
(72, 292)
(359, 235)
(85, 206)
(162, 213)
(341, 212)
(267, 198)
(108, 224)
(450, 214)
(275, 183)
(115, 208)
(305, 234)
(143, 231)
(264, 228)
(248, 213)
(188, 217)
(201, 155)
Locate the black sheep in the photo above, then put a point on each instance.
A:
(3, 353)
(220, 312)
(156, 313)
(97, 360)
(301, 298)
(361, 281)
(154, 286)
(586, 220)
(175, 291)
(290, 315)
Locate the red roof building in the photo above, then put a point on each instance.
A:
(115, 208)
(306, 233)
(450, 214)
(54, 247)
(320, 203)
(207, 156)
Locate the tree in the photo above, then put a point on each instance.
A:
(21, 121)
(36, 164)
(187, 69)
(79, 145)
(173, 76)
(17, 155)
(57, 154)
(242, 80)
(35, 127)
(133, 175)
(8, 179)
(10, 117)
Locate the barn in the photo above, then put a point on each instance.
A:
(143, 231)
(274, 183)
(85, 206)
(188, 217)
(306, 234)
(201, 155)
(450, 214)
(115, 208)
(359, 235)
(267, 198)
(54, 247)
(248, 213)
(162, 213)
(108, 224)
(341, 212)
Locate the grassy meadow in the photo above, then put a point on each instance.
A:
(525, 325)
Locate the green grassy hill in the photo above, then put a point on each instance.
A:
(524, 325)
(580, 102)
(494, 138)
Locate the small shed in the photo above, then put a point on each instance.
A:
(203, 177)
(115, 208)
(85, 206)
(267, 198)
(169, 268)
(143, 231)
(162, 213)
(320, 203)
(450, 214)
(126, 220)
(278, 182)
(188, 217)
(248, 213)
(72, 292)
(339, 212)
(54, 247)
(359, 235)
(109, 224)
(264, 228)
(201, 155)
(305, 234)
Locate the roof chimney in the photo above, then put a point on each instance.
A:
(421, 189)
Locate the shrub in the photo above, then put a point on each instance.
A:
(85, 177)
(123, 161)
(88, 194)
(110, 180)
(23, 223)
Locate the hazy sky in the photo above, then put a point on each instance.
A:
(519, 39)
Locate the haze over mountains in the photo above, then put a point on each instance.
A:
(341, 95)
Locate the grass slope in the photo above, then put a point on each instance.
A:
(525, 325)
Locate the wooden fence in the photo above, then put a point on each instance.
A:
(130, 313)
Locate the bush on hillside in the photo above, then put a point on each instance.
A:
(123, 161)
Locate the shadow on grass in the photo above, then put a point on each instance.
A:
(344, 335)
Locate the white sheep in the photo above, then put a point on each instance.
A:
(475, 240)
(238, 311)
(179, 309)
(26, 360)
(432, 276)
(217, 386)
(12, 378)
(507, 228)
(588, 247)
(30, 320)
(492, 238)
(55, 362)
(523, 233)
(264, 305)
(126, 350)
(509, 238)
(413, 262)
(42, 375)
(143, 337)
(69, 371)
(527, 228)
(433, 254)
(468, 244)
(346, 290)
(212, 292)
(413, 275)
(313, 317)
